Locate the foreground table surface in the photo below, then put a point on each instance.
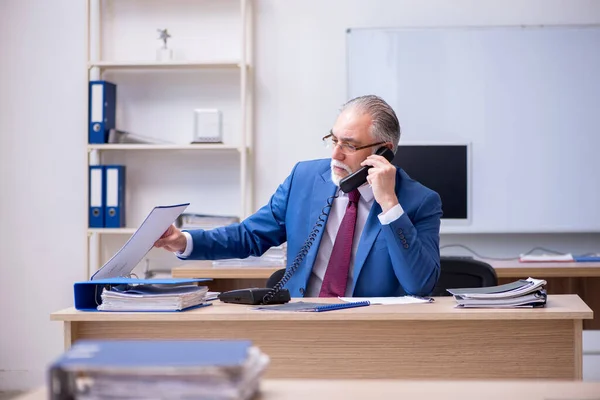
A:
(421, 341)
(300, 389)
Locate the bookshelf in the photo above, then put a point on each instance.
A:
(161, 147)
(165, 64)
(210, 68)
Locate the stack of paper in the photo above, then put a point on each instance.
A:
(215, 370)
(523, 293)
(203, 221)
(546, 258)
(152, 297)
(274, 257)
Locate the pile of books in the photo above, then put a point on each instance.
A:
(203, 221)
(152, 297)
(274, 257)
(151, 369)
(522, 293)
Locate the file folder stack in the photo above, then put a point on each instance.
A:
(215, 370)
(274, 257)
(520, 294)
(203, 221)
(113, 282)
(152, 297)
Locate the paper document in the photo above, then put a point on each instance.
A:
(152, 297)
(389, 300)
(140, 243)
(527, 286)
(546, 258)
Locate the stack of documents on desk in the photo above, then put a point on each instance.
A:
(215, 370)
(542, 258)
(523, 293)
(152, 297)
(203, 221)
(274, 257)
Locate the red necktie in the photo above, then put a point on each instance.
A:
(336, 275)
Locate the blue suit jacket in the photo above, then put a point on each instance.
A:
(391, 260)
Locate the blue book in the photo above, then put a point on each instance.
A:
(587, 259)
(96, 196)
(152, 354)
(194, 369)
(101, 110)
(114, 196)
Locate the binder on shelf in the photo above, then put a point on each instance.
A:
(102, 110)
(96, 197)
(117, 270)
(114, 205)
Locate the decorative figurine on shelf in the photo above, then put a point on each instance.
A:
(164, 53)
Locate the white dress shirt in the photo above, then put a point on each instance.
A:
(338, 210)
(336, 214)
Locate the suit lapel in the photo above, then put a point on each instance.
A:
(367, 238)
(323, 188)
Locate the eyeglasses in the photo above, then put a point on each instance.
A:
(331, 141)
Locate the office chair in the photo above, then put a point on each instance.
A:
(456, 272)
(275, 277)
(463, 272)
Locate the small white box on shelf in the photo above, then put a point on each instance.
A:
(207, 126)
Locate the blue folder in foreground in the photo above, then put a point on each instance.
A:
(118, 269)
(158, 369)
(137, 354)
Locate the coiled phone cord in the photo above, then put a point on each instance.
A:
(303, 251)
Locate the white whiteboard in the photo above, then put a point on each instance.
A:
(526, 98)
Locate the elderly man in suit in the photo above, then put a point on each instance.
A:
(380, 239)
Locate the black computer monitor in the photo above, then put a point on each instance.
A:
(442, 168)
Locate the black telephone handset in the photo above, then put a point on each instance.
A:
(277, 294)
(356, 179)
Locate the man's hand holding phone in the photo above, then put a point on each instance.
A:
(382, 178)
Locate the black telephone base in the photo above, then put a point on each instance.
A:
(254, 296)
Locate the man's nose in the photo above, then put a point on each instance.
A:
(337, 154)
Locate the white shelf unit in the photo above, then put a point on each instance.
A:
(165, 64)
(97, 68)
(158, 147)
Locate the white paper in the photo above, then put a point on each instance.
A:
(141, 242)
(536, 284)
(546, 258)
(389, 300)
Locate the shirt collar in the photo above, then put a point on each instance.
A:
(366, 192)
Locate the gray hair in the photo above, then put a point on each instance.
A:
(385, 126)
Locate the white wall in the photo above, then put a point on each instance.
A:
(300, 83)
(42, 167)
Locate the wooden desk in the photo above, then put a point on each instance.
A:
(301, 389)
(515, 269)
(420, 341)
(582, 279)
(225, 278)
